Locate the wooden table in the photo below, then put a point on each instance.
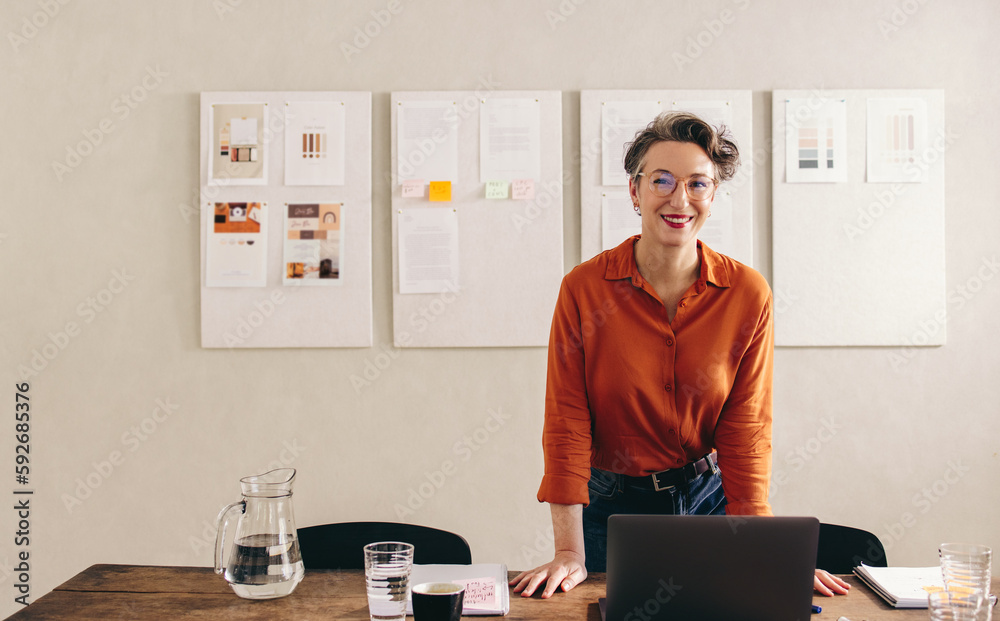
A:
(143, 592)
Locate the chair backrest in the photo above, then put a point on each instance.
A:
(339, 546)
(842, 548)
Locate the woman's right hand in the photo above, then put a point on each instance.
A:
(566, 570)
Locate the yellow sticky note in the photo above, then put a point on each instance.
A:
(440, 191)
(496, 189)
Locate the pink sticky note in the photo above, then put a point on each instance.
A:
(480, 593)
(413, 188)
(522, 189)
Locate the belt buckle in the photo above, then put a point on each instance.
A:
(656, 482)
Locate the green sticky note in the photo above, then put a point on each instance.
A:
(496, 189)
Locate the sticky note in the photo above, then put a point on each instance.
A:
(496, 189)
(479, 593)
(522, 189)
(413, 188)
(440, 191)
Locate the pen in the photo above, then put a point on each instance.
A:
(843, 619)
(817, 609)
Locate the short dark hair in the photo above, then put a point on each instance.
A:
(685, 127)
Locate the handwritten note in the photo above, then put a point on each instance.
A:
(480, 593)
(523, 189)
(440, 191)
(413, 188)
(496, 189)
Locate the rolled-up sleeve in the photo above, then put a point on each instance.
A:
(566, 436)
(743, 431)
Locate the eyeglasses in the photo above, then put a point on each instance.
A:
(699, 187)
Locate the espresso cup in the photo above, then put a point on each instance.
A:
(437, 601)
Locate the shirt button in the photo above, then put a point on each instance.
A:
(668, 387)
(670, 341)
(671, 432)
(683, 304)
(680, 461)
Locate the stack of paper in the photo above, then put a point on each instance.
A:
(485, 585)
(902, 587)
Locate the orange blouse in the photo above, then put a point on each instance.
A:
(630, 392)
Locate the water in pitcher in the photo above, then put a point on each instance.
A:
(265, 566)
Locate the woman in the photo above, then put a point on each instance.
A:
(658, 396)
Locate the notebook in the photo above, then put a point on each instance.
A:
(710, 568)
(902, 587)
(486, 591)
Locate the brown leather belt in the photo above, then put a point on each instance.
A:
(659, 481)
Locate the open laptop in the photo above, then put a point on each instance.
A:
(710, 568)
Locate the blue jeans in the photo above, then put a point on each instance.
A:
(612, 493)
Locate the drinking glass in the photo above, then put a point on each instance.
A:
(965, 568)
(954, 606)
(387, 574)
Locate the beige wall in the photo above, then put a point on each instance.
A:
(871, 437)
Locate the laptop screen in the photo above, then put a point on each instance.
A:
(710, 568)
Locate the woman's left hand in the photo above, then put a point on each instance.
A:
(827, 584)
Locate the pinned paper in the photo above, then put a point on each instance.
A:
(440, 191)
(523, 189)
(413, 188)
(497, 189)
(480, 593)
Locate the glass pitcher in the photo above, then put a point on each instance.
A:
(265, 561)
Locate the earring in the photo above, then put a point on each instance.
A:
(710, 214)
(636, 207)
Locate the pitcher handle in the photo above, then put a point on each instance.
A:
(221, 522)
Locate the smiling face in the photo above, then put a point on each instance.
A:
(676, 219)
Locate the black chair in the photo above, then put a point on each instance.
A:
(340, 546)
(842, 548)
